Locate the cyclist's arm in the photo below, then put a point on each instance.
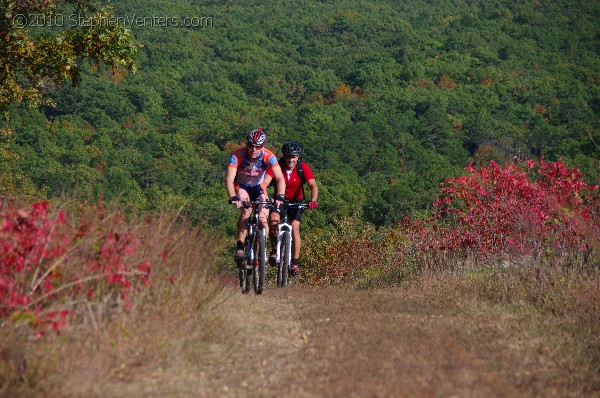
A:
(229, 181)
(279, 180)
(314, 189)
(268, 179)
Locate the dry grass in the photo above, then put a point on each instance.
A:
(523, 326)
(166, 324)
(556, 305)
(554, 301)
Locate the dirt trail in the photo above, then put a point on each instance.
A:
(305, 341)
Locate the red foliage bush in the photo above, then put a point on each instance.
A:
(524, 209)
(47, 264)
(535, 208)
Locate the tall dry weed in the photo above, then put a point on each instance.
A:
(107, 338)
(561, 303)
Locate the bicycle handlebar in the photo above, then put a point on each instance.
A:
(249, 203)
(266, 203)
(299, 205)
(271, 203)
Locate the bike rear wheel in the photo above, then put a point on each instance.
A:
(241, 275)
(245, 270)
(260, 261)
(245, 276)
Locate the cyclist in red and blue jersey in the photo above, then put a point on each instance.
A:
(246, 181)
(295, 174)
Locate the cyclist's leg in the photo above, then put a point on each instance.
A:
(296, 240)
(295, 217)
(274, 219)
(263, 215)
(242, 224)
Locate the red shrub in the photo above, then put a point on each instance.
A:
(47, 265)
(533, 208)
(515, 209)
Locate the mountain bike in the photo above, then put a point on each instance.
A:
(251, 271)
(284, 244)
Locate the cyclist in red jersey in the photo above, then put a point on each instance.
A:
(246, 181)
(294, 192)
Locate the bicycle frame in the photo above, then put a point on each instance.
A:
(283, 228)
(253, 224)
(285, 238)
(255, 250)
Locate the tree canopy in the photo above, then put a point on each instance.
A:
(42, 44)
(388, 99)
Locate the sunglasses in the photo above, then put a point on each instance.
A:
(255, 147)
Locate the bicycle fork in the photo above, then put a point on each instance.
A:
(253, 259)
(283, 228)
(250, 247)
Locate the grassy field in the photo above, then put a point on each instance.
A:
(449, 327)
(433, 337)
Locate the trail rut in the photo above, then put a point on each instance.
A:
(306, 341)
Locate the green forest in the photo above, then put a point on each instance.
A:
(388, 98)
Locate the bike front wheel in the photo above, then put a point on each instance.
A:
(248, 283)
(260, 261)
(284, 260)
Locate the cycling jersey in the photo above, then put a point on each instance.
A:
(293, 184)
(252, 173)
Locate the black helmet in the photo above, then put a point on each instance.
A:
(291, 148)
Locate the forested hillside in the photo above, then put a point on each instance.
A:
(388, 97)
(116, 274)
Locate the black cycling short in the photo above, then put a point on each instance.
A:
(253, 192)
(294, 213)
